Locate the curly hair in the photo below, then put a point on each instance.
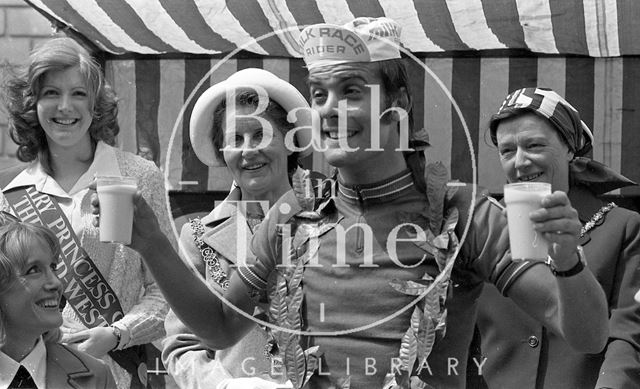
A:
(274, 111)
(22, 86)
(17, 240)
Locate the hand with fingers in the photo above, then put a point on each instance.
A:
(97, 341)
(559, 223)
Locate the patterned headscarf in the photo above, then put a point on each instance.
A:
(575, 133)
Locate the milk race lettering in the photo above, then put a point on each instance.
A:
(85, 288)
(331, 40)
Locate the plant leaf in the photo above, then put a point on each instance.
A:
(296, 364)
(303, 189)
(408, 287)
(436, 177)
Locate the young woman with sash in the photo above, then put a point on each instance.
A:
(63, 117)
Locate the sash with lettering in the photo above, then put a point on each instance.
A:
(85, 288)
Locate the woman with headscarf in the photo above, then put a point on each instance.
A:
(540, 137)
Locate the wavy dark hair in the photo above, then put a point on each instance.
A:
(22, 86)
(274, 111)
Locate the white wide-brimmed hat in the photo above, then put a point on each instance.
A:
(251, 79)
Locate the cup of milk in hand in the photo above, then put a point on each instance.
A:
(522, 198)
(116, 194)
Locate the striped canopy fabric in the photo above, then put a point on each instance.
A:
(160, 55)
(158, 94)
(597, 28)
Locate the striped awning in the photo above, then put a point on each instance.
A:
(157, 96)
(596, 28)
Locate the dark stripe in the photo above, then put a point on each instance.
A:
(628, 27)
(147, 100)
(579, 91)
(192, 168)
(298, 78)
(245, 63)
(465, 89)
(630, 119)
(511, 273)
(567, 19)
(504, 21)
(250, 15)
(305, 12)
(437, 24)
(121, 13)
(360, 8)
(190, 20)
(79, 24)
(416, 75)
(523, 72)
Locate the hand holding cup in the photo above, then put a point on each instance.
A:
(145, 228)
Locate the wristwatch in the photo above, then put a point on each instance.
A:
(577, 268)
(118, 335)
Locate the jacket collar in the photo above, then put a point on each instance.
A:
(227, 231)
(104, 162)
(587, 204)
(64, 366)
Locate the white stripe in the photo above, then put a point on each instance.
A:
(222, 21)
(95, 15)
(608, 103)
(613, 43)
(335, 11)
(282, 22)
(277, 66)
(438, 111)
(413, 37)
(602, 40)
(122, 76)
(158, 21)
(219, 178)
(471, 25)
(172, 78)
(591, 27)
(551, 74)
(495, 89)
(535, 19)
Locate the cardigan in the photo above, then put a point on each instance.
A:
(144, 306)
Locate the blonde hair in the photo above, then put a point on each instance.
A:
(17, 240)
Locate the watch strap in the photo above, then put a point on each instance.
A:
(577, 268)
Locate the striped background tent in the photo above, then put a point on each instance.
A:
(159, 55)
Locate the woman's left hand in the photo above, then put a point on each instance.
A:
(96, 342)
(559, 222)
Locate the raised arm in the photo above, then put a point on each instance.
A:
(572, 306)
(193, 301)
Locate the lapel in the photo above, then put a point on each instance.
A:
(226, 229)
(64, 368)
(587, 204)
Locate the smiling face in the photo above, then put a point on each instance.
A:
(64, 109)
(255, 155)
(531, 150)
(348, 83)
(30, 306)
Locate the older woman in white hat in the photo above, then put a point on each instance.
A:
(242, 123)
